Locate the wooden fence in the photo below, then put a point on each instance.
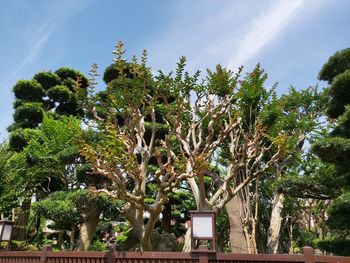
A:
(113, 256)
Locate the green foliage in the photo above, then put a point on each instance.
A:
(19, 138)
(97, 245)
(59, 93)
(339, 93)
(320, 183)
(19, 245)
(112, 72)
(66, 208)
(47, 79)
(336, 72)
(337, 64)
(340, 86)
(46, 158)
(9, 193)
(339, 213)
(29, 115)
(339, 247)
(221, 82)
(28, 90)
(223, 232)
(335, 149)
(47, 91)
(59, 208)
(71, 74)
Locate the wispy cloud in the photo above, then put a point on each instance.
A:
(264, 29)
(228, 32)
(31, 37)
(43, 29)
(36, 45)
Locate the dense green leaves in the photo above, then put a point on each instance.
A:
(337, 64)
(66, 208)
(60, 93)
(28, 90)
(339, 213)
(47, 91)
(338, 246)
(29, 115)
(335, 149)
(47, 79)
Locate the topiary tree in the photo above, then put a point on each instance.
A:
(47, 93)
(335, 147)
(50, 92)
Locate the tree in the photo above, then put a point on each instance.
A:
(334, 148)
(50, 93)
(9, 192)
(302, 112)
(182, 125)
(69, 209)
(129, 126)
(296, 114)
(59, 171)
(53, 92)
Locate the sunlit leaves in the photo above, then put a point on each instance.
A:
(29, 90)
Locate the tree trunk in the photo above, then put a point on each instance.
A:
(87, 229)
(187, 242)
(60, 240)
(147, 243)
(20, 229)
(166, 219)
(72, 237)
(275, 224)
(237, 238)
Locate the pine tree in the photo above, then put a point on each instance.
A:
(335, 149)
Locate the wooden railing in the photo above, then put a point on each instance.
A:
(113, 256)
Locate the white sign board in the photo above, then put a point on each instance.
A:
(202, 227)
(7, 232)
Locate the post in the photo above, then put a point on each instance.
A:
(111, 254)
(203, 258)
(43, 254)
(309, 255)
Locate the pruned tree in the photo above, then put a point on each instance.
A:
(127, 117)
(165, 129)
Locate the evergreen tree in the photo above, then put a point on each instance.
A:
(335, 149)
(50, 92)
(47, 93)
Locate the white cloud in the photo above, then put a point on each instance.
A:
(35, 46)
(263, 29)
(41, 31)
(226, 32)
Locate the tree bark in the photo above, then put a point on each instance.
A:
(187, 242)
(72, 237)
(20, 230)
(60, 239)
(166, 219)
(237, 238)
(87, 229)
(275, 223)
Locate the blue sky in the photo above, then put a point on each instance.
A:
(292, 39)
